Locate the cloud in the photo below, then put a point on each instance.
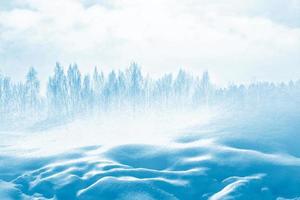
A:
(235, 40)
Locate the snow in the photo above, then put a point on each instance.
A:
(235, 143)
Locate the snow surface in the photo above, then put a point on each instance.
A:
(208, 154)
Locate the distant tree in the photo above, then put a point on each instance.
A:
(57, 91)
(32, 89)
(20, 93)
(135, 81)
(1, 92)
(87, 92)
(121, 89)
(206, 86)
(110, 88)
(182, 87)
(74, 87)
(5, 95)
(164, 88)
(98, 85)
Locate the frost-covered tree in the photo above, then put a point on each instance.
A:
(32, 90)
(98, 84)
(74, 87)
(110, 89)
(1, 92)
(182, 88)
(204, 89)
(134, 81)
(5, 95)
(121, 90)
(22, 97)
(87, 93)
(163, 89)
(57, 92)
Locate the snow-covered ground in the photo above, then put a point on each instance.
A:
(208, 154)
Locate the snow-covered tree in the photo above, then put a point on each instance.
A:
(98, 84)
(57, 92)
(87, 93)
(182, 88)
(110, 89)
(32, 89)
(135, 81)
(74, 87)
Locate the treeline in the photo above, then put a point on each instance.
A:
(70, 93)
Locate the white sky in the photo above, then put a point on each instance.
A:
(236, 41)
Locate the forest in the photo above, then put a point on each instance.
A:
(70, 93)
